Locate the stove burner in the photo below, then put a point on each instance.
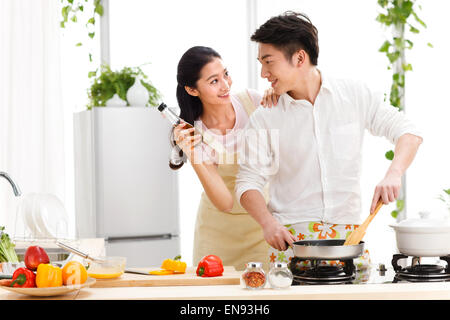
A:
(425, 269)
(421, 272)
(321, 274)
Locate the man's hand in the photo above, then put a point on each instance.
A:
(277, 235)
(388, 189)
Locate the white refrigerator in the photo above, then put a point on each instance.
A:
(125, 191)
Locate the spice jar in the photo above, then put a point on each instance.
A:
(254, 276)
(280, 276)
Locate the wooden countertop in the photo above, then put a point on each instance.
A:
(387, 291)
(400, 291)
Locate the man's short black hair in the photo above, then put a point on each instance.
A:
(289, 33)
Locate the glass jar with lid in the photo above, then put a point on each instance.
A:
(280, 277)
(254, 276)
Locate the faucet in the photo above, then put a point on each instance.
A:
(13, 185)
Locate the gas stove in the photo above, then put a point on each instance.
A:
(318, 273)
(418, 272)
(344, 272)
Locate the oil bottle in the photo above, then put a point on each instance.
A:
(177, 157)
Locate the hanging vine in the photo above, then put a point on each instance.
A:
(398, 15)
(72, 11)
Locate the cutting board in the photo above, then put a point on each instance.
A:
(230, 276)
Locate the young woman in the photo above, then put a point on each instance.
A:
(204, 96)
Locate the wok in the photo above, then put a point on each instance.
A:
(327, 249)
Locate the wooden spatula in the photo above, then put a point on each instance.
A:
(356, 236)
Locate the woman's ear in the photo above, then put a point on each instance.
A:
(191, 91)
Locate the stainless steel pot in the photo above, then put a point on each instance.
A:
(327, 249)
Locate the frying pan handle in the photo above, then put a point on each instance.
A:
(287, 244)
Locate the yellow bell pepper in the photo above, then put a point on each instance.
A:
(161, 272)
(48, 276)
(175, 265)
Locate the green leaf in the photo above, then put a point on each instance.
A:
(91, 35)
(430, 45)
(447, 191)
(79, 44)
(410, 43)
(384, 19)
(419, 20)
(389, 155)
(394, 214)
(407, 67)
(91, 21)
(65, 12)
(74, 19)
(399, 43)
(400, 205)
(385, 47)
(413, 29)
(92, 74)
(383, 3)
(99, 9)
(393, 56)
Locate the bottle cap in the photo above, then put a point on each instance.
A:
(280, 265)
(254, 265)
(162, 106)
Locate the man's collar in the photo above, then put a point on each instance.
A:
(325, 84)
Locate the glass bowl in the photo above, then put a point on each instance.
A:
(110, 268)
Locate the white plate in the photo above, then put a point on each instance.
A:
(51, 291)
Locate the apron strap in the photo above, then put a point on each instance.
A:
(247, 102)
(249, 107)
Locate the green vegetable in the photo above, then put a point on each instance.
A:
(7, 252)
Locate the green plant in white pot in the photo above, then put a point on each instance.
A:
(106, 83)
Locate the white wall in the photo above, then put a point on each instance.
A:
(349, 37)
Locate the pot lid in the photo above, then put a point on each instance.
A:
(424, 221)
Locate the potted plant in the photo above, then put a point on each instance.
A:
(106, 83)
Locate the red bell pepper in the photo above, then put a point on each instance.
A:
(210, 266)
(23, 278)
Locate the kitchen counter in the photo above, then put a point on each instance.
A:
(384, 291)
(320, 292)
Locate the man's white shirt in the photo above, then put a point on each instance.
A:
(311, 155)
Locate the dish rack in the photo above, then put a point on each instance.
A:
(41, 220)
(40, 217)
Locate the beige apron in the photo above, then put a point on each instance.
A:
(235, 237)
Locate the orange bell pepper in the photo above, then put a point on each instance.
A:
(73, 273)
(175, 265)
(48, 276)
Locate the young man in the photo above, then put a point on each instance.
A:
(315, 194)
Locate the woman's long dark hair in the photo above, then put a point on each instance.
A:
(188, 73)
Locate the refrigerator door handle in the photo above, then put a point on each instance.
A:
(145, 237)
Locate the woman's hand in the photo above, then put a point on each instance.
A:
(186, 139)
(270, 98)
